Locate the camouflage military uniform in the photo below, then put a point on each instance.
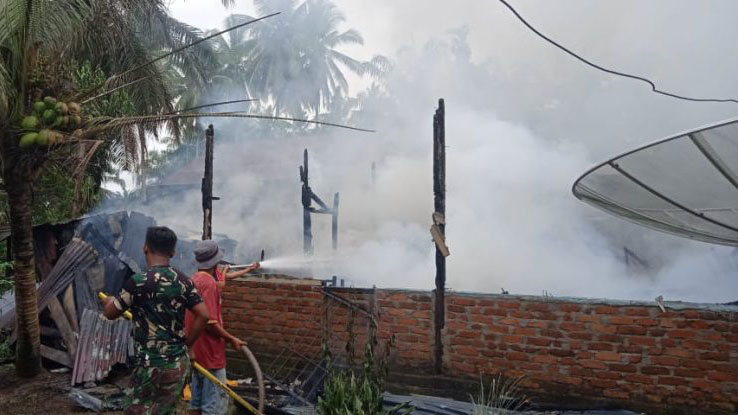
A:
(158, 300)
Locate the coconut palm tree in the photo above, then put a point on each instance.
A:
(42, 123)
(294, 61)
(41, 43)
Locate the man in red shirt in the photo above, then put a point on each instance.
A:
(209, 349)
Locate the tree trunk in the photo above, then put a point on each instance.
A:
(28, 346)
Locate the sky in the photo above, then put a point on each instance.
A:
(524, 120)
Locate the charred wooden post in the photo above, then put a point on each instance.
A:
(438, 230)
(334, 221)
(307, 232)
(307, 209)
(207, 186)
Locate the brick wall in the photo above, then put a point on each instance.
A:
(687, 356)
(570, 351)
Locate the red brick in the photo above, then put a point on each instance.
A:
(536, 306)
(498, 329)
(669, 380)
(630, 349)
(632, 330)
(588, 318)
(561, 352)
(616, 394)
(656, 332)
(580, 336)
(513, 339)
(508, 304)
(608, 356)
(465, 350)
(601, 328)
(461, 301)
(636, 378)
(606, 310)
(679, 352)
(654, 370)
(688, 373)
(422, 314)
(551, 333)
(601, 346)
(498, 312)
(569, 308)
(524, 331)
(699, 324)
(637, 311)
(546, 359)
(538, 341)
(722, 357)
(516, 356)
(603, 383)
(647, 322)
(608, 375)
(702, 384)
(469, 334)
(611, 338)
(619, 320)
(681, 334)
(642, 341)
(698, 364)
(569, 326)
(623, 368)
(665, 360)
(723, 376)
(696, 344)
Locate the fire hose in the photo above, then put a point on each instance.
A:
(254, 364)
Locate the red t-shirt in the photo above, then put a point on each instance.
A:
(209, 350)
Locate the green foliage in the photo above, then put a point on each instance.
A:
(5, 284)
(6, 352)
(349, 393)
(117, 104)
(503, 395)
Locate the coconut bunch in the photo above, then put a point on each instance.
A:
(48, 121)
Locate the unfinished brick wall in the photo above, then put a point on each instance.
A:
(620, 351)
(273, 313)
(626, 354)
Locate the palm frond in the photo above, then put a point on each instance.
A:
(100, 125)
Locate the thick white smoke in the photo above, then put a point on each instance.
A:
(512, 221)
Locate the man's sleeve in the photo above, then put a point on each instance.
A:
(124, 299)
(209, 293)
(190, 296)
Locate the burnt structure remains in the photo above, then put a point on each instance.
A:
(308, 196)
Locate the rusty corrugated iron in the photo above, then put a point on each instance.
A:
(102, 344)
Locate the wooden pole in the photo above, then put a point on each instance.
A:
(307, 232)
(334, 222)
(439, 205)
(207, 186)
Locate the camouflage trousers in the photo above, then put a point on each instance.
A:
(156, 390)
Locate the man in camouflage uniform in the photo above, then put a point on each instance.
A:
(158, 299)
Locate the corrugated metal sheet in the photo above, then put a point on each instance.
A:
(102, 344)
(78, 254)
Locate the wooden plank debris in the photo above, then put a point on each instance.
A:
(56, 355)
(60, 318)
(69, 308)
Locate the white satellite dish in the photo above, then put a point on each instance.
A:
(686, 184)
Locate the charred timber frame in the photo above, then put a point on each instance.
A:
(438, 230)
(307, 209)
(207, 186)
